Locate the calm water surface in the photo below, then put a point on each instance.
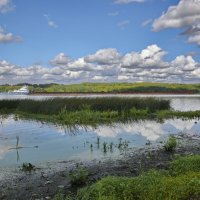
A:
(47, 142)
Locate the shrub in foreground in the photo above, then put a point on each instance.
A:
(78, 176)
(182, 165)
(170, 144)
(182, 181)
(150, 186)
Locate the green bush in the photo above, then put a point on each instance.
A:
(182, 165)
(78, 176)
(60, 196)
(150, 186)
(181, 181)
(170, 144)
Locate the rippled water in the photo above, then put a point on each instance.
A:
(47, 142)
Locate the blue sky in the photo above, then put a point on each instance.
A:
(42, 34)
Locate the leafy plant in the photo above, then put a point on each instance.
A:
(170, 144)
(185, 164)
(182, 181)
(78, 176)
(60, 196)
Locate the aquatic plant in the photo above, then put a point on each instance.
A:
(91, 147)
(98, 142)
(105, 147)
(111, 147)
(62, 105)
(120, 143)
(27, 167)
(170, 144)
(92, 111)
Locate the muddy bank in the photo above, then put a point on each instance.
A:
(47, 179)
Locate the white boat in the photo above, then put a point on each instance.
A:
(22, 91)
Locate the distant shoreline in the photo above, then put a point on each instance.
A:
(110, 93)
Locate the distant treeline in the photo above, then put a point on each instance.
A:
(109, 88)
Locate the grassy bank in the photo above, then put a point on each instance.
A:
(110, 88)
(86, 111)
(180, 181)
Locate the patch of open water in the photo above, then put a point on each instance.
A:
(43, 142)
(47, 142)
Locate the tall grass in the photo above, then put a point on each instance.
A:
(93, 111)
(57, 105)
(182, 181)
(153, 185)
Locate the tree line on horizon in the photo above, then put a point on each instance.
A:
(107, 87)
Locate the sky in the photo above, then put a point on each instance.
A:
(74, 41)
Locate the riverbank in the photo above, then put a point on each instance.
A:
(46, 180)
(110, 93)
(114, 87)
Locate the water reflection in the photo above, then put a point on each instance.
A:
(185, 104)
(3, 150)
(63, 143)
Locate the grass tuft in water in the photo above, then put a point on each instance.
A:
(27, 167)
(170, 144)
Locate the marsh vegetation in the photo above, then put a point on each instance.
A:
(93, 111)
(85, 110)
(180, 181)
(99, 111)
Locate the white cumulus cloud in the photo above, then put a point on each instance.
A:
(104, 56)
(106, 65)
(5, 6)
(184, 15)
(8, 37)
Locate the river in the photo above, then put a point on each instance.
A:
(44, 142)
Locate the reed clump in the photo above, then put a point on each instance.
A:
(87, 111)
(55, 105)
(93, 111)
